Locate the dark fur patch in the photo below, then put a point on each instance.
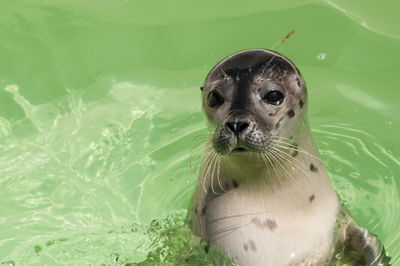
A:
(290, 114)
(311, 198)
(267, 224)
(195, 209)
(253, 246)
(279, 123)
(204, 210)
(246, 247)
(301, 103)
(313, 168)
(298, 82)
(274, 113)
(235, 184)
(271, 224)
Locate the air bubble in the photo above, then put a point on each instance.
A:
(321, 56)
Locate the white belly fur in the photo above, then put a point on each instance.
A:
(262, 230)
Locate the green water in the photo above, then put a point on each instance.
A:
(100, 107)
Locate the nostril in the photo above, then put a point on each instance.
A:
(231, 126)
(237, 127)
(242, 125)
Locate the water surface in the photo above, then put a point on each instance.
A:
(100, 107)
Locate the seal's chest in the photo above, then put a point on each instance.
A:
(258, 232)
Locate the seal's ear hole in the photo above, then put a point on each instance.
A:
(273, 97)
(214, 99)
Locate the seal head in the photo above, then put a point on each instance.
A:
(250, 97)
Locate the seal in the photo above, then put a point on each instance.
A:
(263, 194)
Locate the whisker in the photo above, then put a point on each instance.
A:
(233, 216)
(267, 164)
(280, 153)
(195, 152)
(281, 163)
(279, 176)
(303, 152)
(206, 169)
(265, 159)
(197, 149)
(215, 160)
(200, 142)
(289, 157)
(294, 148)
(202, 136)
(270, 70)
(269, 62)
(229, 230)
(218, 177)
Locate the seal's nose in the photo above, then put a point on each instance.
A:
(237, 127)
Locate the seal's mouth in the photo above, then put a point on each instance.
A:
(239, 149)
(255, 140)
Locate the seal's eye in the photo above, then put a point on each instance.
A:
(273, 97)
(214, 99)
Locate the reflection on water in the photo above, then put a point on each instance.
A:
(92, 160)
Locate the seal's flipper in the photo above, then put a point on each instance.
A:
(363, 248)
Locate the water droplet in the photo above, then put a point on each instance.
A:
(344, 203)
(321, 56)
